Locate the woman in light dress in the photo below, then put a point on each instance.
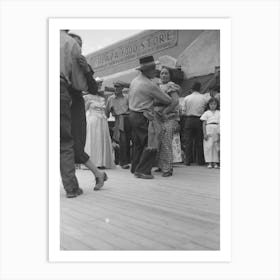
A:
(98, 140)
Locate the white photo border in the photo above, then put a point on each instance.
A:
(222, 255)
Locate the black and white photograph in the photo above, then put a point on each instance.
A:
(140, 140)
(153, 154)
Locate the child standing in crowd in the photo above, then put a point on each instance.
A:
(211, 133)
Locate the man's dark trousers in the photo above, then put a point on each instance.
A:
(124, 143)
(143, 158)
(78, 126)
(193, 132)
(67, 162)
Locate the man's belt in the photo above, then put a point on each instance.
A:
(192, 116)
(138, 112)
(125, 114)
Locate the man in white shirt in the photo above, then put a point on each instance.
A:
(142, 94)
(192, 108)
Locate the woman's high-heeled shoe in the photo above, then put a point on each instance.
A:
(167, 174)
(100, 182)
(157, 170)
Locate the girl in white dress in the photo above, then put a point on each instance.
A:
(211, 133)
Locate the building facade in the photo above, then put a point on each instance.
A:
(195, 52)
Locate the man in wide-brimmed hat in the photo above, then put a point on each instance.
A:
(142, 94)
(117, 104)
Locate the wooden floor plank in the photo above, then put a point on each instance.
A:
(177, 213)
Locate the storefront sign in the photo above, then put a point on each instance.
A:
(131, 50)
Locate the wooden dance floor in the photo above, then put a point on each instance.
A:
(181, 212)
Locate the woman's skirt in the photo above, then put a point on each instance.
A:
(176, 148)
(166, 149)
(98, 142)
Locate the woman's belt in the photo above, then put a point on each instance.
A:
(213, 123)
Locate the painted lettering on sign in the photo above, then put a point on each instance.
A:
(130, 50)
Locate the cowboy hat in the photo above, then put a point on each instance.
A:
(146, 62)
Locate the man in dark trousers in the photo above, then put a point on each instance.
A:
(142, 94)
(72, 78)
(193, 107)
(72, 75)
(78, 119)
(117, 104)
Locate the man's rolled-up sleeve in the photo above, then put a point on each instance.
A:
(78, 78)
(159, 95)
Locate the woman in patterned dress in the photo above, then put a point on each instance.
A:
(168, 117)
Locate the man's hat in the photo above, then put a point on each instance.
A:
(146, 62)
(119, 84)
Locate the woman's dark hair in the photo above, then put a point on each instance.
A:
(101, 93)
(213, 100)
(169, 71)
(196, 86)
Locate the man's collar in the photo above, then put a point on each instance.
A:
(144, 76)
